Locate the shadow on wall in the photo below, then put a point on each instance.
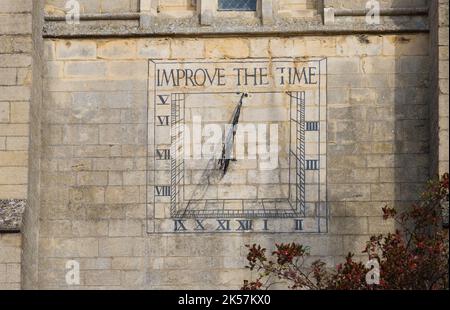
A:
(382, 137)
(411, 109)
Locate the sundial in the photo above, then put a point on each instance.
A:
(237, 146)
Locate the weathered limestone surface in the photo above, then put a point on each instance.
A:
(86, 183)
(93, 169)
(15, 83)
(15, 94)
(10, 248)
(439, 86)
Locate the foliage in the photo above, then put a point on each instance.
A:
(415, 256)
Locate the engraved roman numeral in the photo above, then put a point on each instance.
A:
(162, 191)
(199, 225)
(223, 225)
(163, 99)
(245, 225)
(312, 165)
(312, 126)
(266, 226)
(298, 225)
(163, 120)
(163, 154)
(179, 225)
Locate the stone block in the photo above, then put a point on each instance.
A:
(379, 65)
(134, 279)
(13, 175)
(134, 178)
(22, 44)
(337, 65)
(113, 164)
(7, 77)
(80, 134)
(154, 48)
(128, 69)
(119, 134)
(111, 247)
(282, 47)
(259, 47)
(13, 273)
(377, 225)
(4, 112)
(15, 60)
(60, 228)
(218, 48)
(407, 45)
(73, 49)
(13, 191)
(101, 277)
(21, 93)
(116, 6)
(128, 263)
(85, 69)
(359, 45)
(118, 49)
(20, 112)
(15, 6)
(2, 143)
(118, 194)
(92, 178)
(90, 228)
(14, 158)
(185, 49)
(349, 192)
(10, 255)
(349, 225)
(95, 263)
(15, 24)
(125, 228)
(70, 247)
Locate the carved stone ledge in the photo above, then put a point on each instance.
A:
(190, 27)
(11, 211)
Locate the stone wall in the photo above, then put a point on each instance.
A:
(84, 172)
(15, 94)
(15, 83)
(10, 249)
(93, 185)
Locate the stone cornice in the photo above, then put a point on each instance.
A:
(190, 27)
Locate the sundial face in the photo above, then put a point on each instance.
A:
(237, 146)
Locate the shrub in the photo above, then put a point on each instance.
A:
(415, 256)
